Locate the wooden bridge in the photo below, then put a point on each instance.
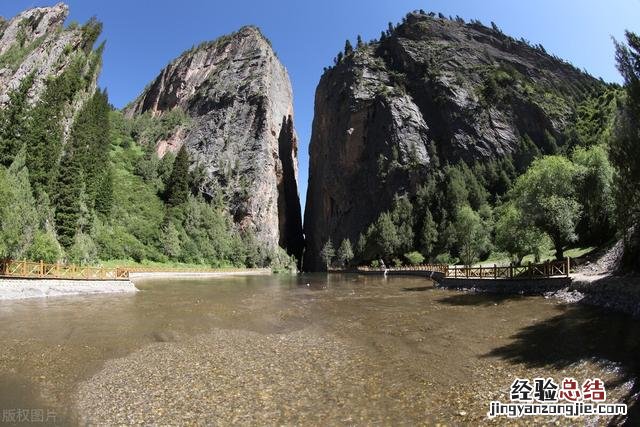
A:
(512, 272)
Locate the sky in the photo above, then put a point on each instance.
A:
(145, 35)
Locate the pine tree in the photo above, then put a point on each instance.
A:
(13, 121)
(18, 215)
(104, 195)
(177, 190)
(345, 252)
(359, 42)
(90, 141)
(428, 235)
(625, 150)
(328, 253)
(348, 48)
(44, 136)
(67, 199)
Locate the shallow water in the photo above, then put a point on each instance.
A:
(415, 354)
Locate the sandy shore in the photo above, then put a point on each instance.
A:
(14, 289)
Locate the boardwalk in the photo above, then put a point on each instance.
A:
(524, 272)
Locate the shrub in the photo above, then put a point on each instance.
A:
(45, 248)
(84, 250)
(414, 258)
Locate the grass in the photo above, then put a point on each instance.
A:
(169, 264)
(500, 258)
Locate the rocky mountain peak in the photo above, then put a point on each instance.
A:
(241, 135)
(32, 24)
(431, 91)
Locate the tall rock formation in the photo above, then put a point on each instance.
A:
(35, 42)
(241, 134)
(432, 90)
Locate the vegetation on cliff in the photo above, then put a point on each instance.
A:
(625, 151)
(98, 191)
(511, 161)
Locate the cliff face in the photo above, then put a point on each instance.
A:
(431, 88)
(241, 135)
(35, 42)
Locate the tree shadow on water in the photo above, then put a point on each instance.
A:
(582, 333)
(479, 299)
(418, 289)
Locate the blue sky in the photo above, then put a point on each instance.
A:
(144, 35)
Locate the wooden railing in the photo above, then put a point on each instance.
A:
(529, 271)
(28, 270)
(439, 268)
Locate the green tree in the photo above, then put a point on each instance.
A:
(471, 234)
(546, 196)
(328, 253)
(170, 241)
(403, 219)
(515, 236)
(43, 138)
(18, 215)
(625, 150)
(345, 252)
(526, 152)
(13, 121)
(44, 247)
(84, 250)
(428, 235)
(414, 258)
(89, 138)
(594, 187)
(177, 190)
(348, 48)
(104, 194)
(68, 204)
(384, 236)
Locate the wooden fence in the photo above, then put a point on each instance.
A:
(41, 270)
(529, 271)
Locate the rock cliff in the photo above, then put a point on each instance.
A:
(240, 134)
(431, 91)
(35, 42)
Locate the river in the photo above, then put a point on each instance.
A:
(304, 350)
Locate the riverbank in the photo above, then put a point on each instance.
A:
(15, 289)
(618, 293)
(20, 288)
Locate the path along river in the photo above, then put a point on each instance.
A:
(302, 350)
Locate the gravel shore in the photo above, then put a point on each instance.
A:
(14, 289)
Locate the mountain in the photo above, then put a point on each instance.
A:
(391, 115)
(239, 131)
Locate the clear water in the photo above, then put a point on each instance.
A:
(440, 355)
